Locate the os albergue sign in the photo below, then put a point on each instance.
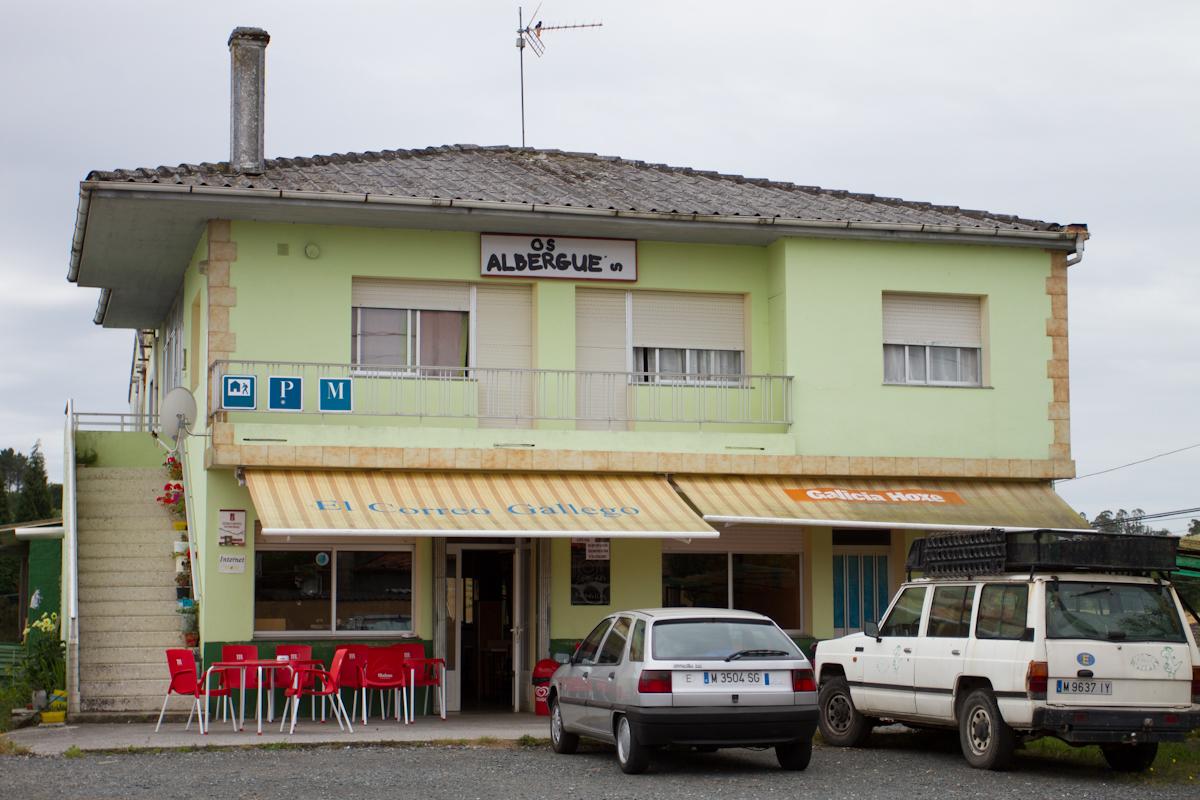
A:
(508, 256)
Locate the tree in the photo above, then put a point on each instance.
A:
(12, 465)
(3, 505)
(34, 502)
(1194, 528)
(1124, 522)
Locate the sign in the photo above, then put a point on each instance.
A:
(231, 565)
(596, 550)
(239, 392)
(285, 393)
(335, 395)
(232, 531)
(891, 496)
(507, 256)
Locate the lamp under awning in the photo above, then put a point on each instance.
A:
(483, 504)
(885, 503)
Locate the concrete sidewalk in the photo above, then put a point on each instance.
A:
(119, 736)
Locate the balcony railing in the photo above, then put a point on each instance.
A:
(499, 397)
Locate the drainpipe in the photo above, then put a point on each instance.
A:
(1081, 236)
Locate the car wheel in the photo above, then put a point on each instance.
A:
(839, 720)
(631, 755)
(795, 755)
(562, 742)
(1130, 757)
(987, 741)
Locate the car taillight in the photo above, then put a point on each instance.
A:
(1196, 685)
(1036, 678)
(803, 680)
(654, 681)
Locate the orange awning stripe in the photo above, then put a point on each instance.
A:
(394, 502)
(889, 503)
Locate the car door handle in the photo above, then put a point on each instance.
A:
(908, 649)
(584, 676)
(956, 652)
(858, 649)
(612, 675)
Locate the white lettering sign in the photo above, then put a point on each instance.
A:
(232, 565)
(504, 255)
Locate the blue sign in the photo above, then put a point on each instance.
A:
(335, 395)
(239, 392)
(285, 394)
(1085, 659)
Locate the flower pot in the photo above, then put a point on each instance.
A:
(182, 592)
(53, 717)
(39, 699)
(180, 548)
(191, 639)
(180, 525)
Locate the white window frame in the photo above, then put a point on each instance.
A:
(334, 632)
(410, 369)
(729, 554)
(910, 381)
(690, 375)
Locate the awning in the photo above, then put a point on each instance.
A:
(888, 503)
(388, 502)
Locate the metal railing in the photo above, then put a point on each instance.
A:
(123, 422)
(516, 397)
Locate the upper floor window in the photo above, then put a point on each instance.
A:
(932, 340)
(409, 324)
(664, 364)
(687, 336)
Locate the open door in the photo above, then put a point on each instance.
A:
(483, 634)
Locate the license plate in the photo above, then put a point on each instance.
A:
(1084, 687)
(732, 680)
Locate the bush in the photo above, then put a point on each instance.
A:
(45, 655)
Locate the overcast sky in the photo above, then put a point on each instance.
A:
(1066, 111)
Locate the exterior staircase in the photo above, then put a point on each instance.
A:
(126, 591)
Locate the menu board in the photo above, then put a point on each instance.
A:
(591, 576)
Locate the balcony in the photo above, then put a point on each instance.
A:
(492, 397)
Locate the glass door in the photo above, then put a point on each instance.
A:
(484, 638)
(860, 589)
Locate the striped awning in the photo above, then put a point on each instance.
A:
(393, 502)
(887, 503)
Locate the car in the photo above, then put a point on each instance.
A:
(707, 678)
(1092, 648)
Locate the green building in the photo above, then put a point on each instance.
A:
(482, 396)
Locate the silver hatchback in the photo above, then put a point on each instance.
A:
(701, 677)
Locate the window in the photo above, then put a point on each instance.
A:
(932, 340)
(400, 337)
(905, 619)
(718, 638)
(586, 651)
(950, 613)
(768, 583)
(1002, 611)
(637, 645)
(333, 590)
(1115, 612)
(678, 365)
(614, 645)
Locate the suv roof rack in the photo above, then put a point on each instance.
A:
(997, 551)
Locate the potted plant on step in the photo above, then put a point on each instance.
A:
(190, 612)
(45, 660)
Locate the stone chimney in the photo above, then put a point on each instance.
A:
(247, 74)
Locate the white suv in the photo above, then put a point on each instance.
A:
(1090, 657)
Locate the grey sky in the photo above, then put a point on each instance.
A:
(1071, 111)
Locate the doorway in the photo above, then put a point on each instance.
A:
(482, 647)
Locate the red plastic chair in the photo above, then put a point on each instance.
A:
(283, 677)
(314, 682)
(424, 673)
(351, 675)
(386, 670)
(181, 664)
(232, 678)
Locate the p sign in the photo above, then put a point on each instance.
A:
(239, 392)
(285, 394)
(335, 395)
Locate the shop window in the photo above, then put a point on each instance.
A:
(680, 365)
(333, 590)
(768, 583)
(934, 340)
(411, 338)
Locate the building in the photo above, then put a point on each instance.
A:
(484, 395)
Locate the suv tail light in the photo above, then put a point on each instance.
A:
(1036, 678)
(803, 680)
(654, 681)
(1196, 685)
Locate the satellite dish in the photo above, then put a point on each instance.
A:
(177, 413)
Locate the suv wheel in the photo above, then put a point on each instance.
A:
(1130, 757)
(987, 741)
(632, 756)
(562, 742)
(840, 722)
(795, 755)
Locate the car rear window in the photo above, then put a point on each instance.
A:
(1119, 612)
(717, 638)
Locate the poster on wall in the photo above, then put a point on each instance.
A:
(591, 579)
(232, 531)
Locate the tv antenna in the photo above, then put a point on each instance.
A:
(531, 36)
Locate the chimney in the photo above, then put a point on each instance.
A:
(247, 73)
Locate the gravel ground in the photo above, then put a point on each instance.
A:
(488, 773)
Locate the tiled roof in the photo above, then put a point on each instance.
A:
(557, 178)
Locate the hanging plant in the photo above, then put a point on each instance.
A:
(174, 468)
(172, 500)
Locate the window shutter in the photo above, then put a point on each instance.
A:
(931, 320)
(504, 340)
(600, 347)
(426, 295)
(688, 319)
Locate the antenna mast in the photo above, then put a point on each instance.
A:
(531, 36)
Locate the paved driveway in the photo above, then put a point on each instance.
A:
(930, 770)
